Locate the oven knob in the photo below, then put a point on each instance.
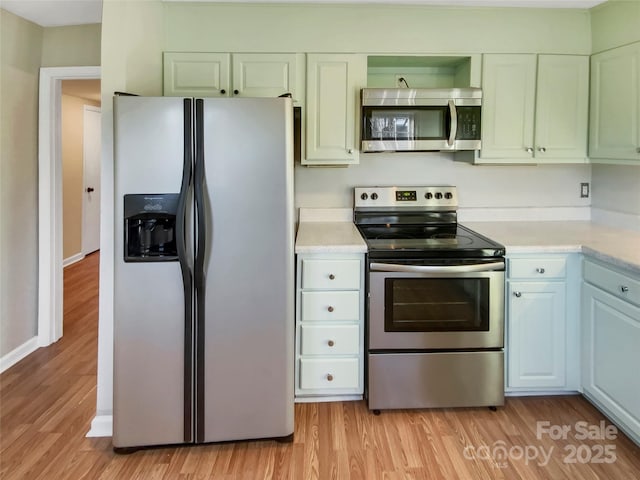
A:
(374, 196)
(438, 195)
(448, 195)
(428, 195)
(364, 196)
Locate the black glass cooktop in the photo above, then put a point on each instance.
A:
(427, 241)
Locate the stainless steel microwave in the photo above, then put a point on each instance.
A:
(423, 119)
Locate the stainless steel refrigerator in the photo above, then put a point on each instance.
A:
(204, 270)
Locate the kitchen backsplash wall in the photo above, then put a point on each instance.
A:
(485, 192)
(616, 195)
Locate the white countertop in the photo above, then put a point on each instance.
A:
(331, 231)
(329, 237)
(613, 245)
(328, 230)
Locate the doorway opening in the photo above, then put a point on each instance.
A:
(50, 198)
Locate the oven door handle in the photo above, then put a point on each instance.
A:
(392, 267)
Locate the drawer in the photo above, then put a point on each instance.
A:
(331, 274)
(330, 306)
(537, 268)
(618, 284)
(330, 339)
(329, 373)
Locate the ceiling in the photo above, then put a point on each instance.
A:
(53, 13)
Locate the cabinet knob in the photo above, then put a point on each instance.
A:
(332, 276)
(329, 377)
(330, 309)
(90, 189)
(223, 91)
(236, 92)
(624, 289)
(350, 151)
(517, 294)
(529, 149)
(330, 343)
(542, 149)
(540, 270)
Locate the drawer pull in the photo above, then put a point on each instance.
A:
(540, 270)
(332, 276)
(330, 309)
(330, 343)
(624, 289)
(517, 294)
(329, 377)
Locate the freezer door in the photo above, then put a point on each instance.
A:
(149, 304)
(248, 317)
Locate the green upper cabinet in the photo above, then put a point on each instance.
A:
(562, 108)
(615, 105)
(508, 102)
(333, 88)
(267, 74)
(535, 108)
(238, 74)
(194, 74)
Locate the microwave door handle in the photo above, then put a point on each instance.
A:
(480, 267)
(454, 123)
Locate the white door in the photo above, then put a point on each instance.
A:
(91, 184)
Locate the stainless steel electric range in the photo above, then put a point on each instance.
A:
(435, 316)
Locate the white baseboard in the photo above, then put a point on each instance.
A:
(18, 354)
(72, 259)
(101, 426)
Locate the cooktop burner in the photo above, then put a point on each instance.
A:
(417, 222)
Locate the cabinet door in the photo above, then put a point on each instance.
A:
(615, 104)
(610, 356)
(508, 85)
(265, 75)
(537, 335)
(562, 107)
(333, 88)
(188, 74)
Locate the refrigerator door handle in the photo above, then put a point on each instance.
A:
(201, 229)
(181, 246)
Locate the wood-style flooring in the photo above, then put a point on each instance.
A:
(47, 402)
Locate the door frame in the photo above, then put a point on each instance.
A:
(85, 109)
(50, 277)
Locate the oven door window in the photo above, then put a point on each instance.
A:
(436, 305)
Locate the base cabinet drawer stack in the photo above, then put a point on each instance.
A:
(611, 343)
(329, 327)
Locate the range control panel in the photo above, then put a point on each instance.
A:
(440, 197)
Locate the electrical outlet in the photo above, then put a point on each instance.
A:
(584, 190)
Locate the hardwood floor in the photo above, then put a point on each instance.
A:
(47, 402)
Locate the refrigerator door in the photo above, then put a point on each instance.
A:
(151, 368)
(246, 328)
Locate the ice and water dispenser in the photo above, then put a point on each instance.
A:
(150, 227)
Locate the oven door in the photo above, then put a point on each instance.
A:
(416, 307)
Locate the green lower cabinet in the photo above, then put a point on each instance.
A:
(542, 341)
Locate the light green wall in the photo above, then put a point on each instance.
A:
(614, 24)
(20, 53)
(374, 28)
(74, 46)
(25, 47)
